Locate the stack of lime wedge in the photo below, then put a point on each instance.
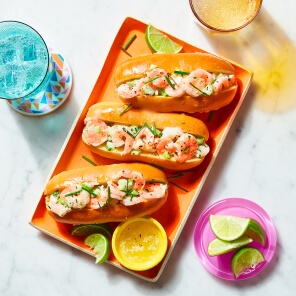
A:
(233, 233)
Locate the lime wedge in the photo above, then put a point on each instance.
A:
(256, 232)
(245, 259)
(219, 247)
(101, 246)
(228, 228)
(159, 42)
(88, 229)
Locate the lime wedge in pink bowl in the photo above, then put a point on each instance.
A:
(220, 265)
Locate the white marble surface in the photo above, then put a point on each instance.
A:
(257, 160)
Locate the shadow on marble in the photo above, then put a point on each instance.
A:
(46, 134)
(266, 49)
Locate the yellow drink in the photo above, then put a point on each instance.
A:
(225, 14)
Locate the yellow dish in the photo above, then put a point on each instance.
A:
(139, 244)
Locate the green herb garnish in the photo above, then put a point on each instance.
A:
(184, 172)
(73, 193)
(86, 188)
(125, 109)
(109, 194)
(198, 89)
(125, 50)
(179, 186)
(56, 193)
(156, 77)
(169, 82)
(130, 41)
(181, 72)
(63, 202)
(146, 124)
(128, 133)
(177, 176)
(211, 115)
(163, 92)
(186, 150)
(156, 166)
(90, 161)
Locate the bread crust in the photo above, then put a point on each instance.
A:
(135, 68)
(110, 113)
(110, 213)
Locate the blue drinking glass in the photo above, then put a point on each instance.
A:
(25, 64)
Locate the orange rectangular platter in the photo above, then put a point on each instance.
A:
(174, 213)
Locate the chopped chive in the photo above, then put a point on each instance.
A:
(125, 50)
(179, 186)
(186, 150)
(216, 79)
(63, 202)
(130, 41)
(145, 123)
(199, 89)
(90, 161)
(156, 166)
(128, 133)
(157, 182)
(169, 82)
(211, 115)
(177, 176)
(89, 191)
(100, 206)
(125, 109)
(56, 193)
(154, 128)
(73, 193)
(181, 72)
(184, 172)
(174, 80)
(109, 194)
(163, 92)
(152, 79)
(139, 131)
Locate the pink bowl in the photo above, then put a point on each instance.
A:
(220, 266)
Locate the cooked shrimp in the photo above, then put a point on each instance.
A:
(139, 181)
(118, 134)
(128, 201)
(145, 140)
(115, 192)
(222, 81)
(152, 191)
(57, 207)
(159, 82)
(202, 150)
(96, 131)
(78, 200)
(165, 145)
(100, 200)
(199, 78)
(125, 91)
(172, 132)
(179, 90)
(186, 147)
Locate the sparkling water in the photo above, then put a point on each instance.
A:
(24, 61)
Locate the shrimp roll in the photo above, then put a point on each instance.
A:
(170, 140)
(187, 82)
(110, 193)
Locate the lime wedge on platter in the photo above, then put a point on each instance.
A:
(101, 246)
(244, 260)
(218, 247)
(228, 228)
(159, 42)
(88, 229)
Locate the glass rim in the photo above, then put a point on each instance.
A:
(223, 30)
(11, 21)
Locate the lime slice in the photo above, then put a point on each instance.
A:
(101, 246)
(88, 229)
(219, 247)
(159, 42)
(245, 259)
(256, 232)
(228, 228)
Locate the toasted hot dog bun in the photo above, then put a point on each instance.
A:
(100, 174)
(135, 68)
(110, 113)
